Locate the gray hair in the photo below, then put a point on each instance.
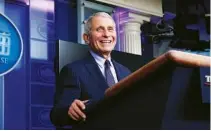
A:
(87, 26)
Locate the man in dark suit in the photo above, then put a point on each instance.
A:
(87, 79)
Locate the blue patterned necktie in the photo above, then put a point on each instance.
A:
(108, 75)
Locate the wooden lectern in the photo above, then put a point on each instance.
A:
(140, 100)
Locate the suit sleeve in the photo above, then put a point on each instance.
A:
(68, 89)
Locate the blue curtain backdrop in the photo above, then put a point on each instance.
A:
(16, 82)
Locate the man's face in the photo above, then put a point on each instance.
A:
(102, 38)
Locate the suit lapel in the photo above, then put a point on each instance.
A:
(95, 72)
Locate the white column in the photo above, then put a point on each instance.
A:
(131, 40)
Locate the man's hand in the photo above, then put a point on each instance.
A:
(75, 110)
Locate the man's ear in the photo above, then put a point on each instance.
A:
(86, 38)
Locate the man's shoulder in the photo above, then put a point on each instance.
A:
(119, 65)
(76, 64)
(75, 67)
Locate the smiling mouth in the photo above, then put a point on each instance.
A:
(106, 41)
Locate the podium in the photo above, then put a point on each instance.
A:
(152, 97)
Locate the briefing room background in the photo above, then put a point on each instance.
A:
(27, 92)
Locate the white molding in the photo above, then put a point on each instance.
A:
(132, 17)
(80, 18)
(96, 6)
(138, 17)
(148, 7)
(2, 6)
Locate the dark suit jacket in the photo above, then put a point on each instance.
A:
(80, 80)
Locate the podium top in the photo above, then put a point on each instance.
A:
(177, 58)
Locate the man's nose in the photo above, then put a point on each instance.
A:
(105, 33)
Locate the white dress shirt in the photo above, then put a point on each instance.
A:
(101, 64)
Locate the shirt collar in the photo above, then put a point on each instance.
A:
(99, 59)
